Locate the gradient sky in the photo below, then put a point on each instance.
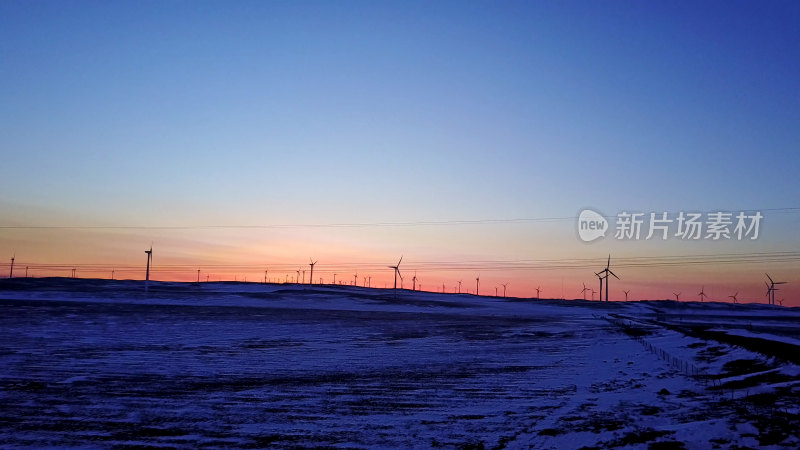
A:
(260, 113)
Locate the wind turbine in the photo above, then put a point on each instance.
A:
(459, 286)
(583, 291)
(771, 289)
(781, 301)
(734, 296)
(414, 282)
(626, 295)
(607, 271)
(355, 279)
(334, 278)
(397, 272)
(369, 281)
(593, 292)
(198, 276)
(538, 289)
(311, 276)
(112, 274)
(11, 272)
(147, 273)
(702, 293)
(26, 271)
(599, 277)
(478, 285)
(265, 277)
(504, 289)
(677, 296)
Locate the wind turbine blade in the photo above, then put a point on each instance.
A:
(608, 264)
(615, 275)
(401, 260)
(780, 282)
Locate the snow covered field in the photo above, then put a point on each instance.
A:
(94, 363)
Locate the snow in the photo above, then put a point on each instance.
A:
(94, 363)
(765, 336)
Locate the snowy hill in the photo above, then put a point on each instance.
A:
(98, 363)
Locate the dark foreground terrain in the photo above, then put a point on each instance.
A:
(258, 366)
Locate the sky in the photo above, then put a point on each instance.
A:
(225, 119)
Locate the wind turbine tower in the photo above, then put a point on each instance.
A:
(311, 276)
(607, 271)
(599, 277)
(147, 272)
(702, 294)
(397, 272)
(771, 289)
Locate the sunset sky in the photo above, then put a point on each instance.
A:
(241, 136)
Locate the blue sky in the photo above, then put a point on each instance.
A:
(325, 112)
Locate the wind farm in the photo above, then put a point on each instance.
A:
(292, 164)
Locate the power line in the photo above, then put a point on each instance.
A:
(787, 210)
(452, 266)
